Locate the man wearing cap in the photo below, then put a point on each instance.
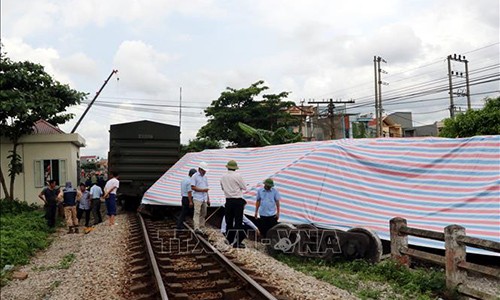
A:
(267, 206)
(233, 186)
(199, 186)
(70, 196)
(187, 198)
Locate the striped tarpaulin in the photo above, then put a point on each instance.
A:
(432, 182)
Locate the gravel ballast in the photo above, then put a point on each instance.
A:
(76, 266)
(290, 283)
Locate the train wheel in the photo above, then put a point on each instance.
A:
(308, 245)
(282, 238)
(371, 251)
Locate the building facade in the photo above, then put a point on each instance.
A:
(48, 153)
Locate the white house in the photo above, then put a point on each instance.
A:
(47, 153)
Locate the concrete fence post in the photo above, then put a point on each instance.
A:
(454, 254)
(399, 241)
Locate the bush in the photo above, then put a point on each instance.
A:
(15, 206)
(23, 230)
(367, 280)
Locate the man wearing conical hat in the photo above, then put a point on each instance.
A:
(233, 185)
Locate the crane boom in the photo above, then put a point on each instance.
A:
(93, 100)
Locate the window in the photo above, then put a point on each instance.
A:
(48, 169)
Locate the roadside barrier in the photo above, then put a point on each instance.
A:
(454, 259)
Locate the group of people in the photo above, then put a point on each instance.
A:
(194, 192)
(85, 200)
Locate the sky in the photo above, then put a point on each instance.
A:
(317, 50)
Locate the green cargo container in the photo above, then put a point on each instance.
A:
(141, 152)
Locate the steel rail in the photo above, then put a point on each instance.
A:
(262, 291)
(154, 264)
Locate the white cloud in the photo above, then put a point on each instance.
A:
(18, 50)
(78, 64)
(141, 68)
(80, 12)
(28, 17)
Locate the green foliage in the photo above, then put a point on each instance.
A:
(91, 166)
(359, 130)
(67, 261)
(200, 144)
(235, 106)
(263, 137)
(23, 230)
(9, 207)
(15, 164)
(28, 94)
(370, 281)
(64, 264)
(485, 121)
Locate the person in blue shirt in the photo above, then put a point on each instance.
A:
(267, 205)
(84, 206)
(95, 195)
(187, 198)
(70, 196)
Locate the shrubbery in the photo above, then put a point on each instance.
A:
(23, 230)
(371, 281)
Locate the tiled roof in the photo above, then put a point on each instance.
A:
(44, 127)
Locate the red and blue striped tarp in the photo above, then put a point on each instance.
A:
(431, 182)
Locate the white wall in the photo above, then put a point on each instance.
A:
(41, 147)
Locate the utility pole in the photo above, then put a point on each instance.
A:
(331, 113)
(93, 100)
(451, 73)
(180, 107)
(467, 83)
(378, 92)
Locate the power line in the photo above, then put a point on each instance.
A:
(433, 62)
(150, 104)
(433, 90)
(426, 83)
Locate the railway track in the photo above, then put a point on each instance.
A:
(165, 264)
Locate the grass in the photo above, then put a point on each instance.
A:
(23, 231)
(385, 280)
(64, 264)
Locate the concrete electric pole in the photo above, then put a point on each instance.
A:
(331, 113)
(378, 92)
(459, 58)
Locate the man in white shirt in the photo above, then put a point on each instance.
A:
(110, 190)
(247, 226)
(233, 186)
(201, 199)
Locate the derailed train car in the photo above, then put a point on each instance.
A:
(141, 152)
(340, 195)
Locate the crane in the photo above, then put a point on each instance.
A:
(93, 100)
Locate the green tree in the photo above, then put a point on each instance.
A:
(90, 166)
(28, 94)
(359, 130)
(235, 106)
(199, 144)
(485, 121)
